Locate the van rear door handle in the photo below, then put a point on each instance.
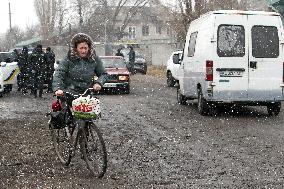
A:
(252, 64)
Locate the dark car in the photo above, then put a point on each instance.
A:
(140, 64)
(118, 75)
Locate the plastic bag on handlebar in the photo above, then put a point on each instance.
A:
(86, 107)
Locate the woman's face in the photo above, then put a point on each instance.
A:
(83, 49)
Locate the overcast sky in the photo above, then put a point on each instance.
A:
(23, 14)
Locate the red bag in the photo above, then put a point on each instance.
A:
(56, 106)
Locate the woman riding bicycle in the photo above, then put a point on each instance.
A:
(77, 71)
(75, 74)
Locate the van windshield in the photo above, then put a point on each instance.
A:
(265, 42)
(231, 41)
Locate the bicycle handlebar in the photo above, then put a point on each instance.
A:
(87, 91)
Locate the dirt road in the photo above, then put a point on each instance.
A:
(152, 142)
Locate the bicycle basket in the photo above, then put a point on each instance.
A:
(86, 108)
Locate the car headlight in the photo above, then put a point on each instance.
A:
(123, 78)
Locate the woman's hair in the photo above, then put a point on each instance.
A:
(81, 38)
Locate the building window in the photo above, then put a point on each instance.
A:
(169, 32)
(159, 29)
(145, 30)
(132, 33)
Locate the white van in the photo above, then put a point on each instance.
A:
(234, 57)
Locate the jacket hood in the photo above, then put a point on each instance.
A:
(79, 38)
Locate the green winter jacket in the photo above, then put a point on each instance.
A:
(75, 74)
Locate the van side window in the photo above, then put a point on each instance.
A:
(231, 41)
(191, 45)
(265, 42)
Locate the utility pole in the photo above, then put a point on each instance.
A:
(10, 20)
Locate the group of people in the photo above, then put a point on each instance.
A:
(36, 69)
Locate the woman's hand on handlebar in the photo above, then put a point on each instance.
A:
(59, 93)
(97, 87)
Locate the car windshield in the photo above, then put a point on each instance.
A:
(7, 57)
(113, 63)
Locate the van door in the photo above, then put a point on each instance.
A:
(231, 76)
(265, 58)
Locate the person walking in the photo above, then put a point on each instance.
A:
(23, 76)
(50, 60)
(131, 55)
(38, 65)
(77, 71)
(118, 53)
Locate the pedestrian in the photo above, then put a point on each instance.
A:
(77, 71)
(23, 76)
(16, 56)
(131, 59)
(119, 53)
(50, 60)
(38, 64)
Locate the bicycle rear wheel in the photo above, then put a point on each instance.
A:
(94, 150)
(62, 144)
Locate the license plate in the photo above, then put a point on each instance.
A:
(110, 85)
(231, 73)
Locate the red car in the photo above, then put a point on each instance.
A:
(118, 74)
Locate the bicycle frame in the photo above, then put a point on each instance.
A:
(83, 132)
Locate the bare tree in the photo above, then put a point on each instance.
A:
(12, 37)
(100, 17)
(30, 31)
(185, 12)
(46, 11)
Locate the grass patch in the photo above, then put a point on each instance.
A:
(157, 71)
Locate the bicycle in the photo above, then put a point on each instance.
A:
(76, 126)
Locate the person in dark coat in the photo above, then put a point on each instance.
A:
(50, 60)
(38, 65)
(77, 71)
(118, 53)
(16, 55)
(23, 76)
(131, 55)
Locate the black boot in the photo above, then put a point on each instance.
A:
(34, 92)
(40, 93)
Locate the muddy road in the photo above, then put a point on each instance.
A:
(152, 142)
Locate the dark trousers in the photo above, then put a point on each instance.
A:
(37, 81)
(49, 78)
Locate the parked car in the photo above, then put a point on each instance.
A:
(118, 74)
(8, 71)
(140, 64)
(172, 69)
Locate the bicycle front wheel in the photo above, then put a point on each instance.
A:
(94, 150)
(61, 139)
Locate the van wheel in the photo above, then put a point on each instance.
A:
(202, 105)
(273, 109)
(170, 80)
(181, 98)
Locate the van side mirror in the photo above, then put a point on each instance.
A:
(176, 59)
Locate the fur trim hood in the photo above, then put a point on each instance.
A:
(79, 38)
